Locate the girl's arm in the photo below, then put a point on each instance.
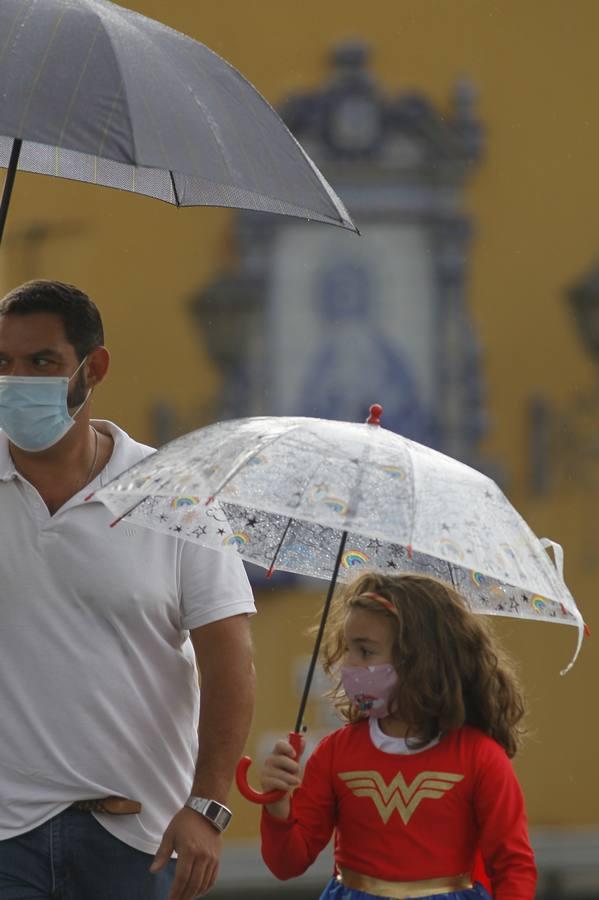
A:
(503, 829)
(296, 829)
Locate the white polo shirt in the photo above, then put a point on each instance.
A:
(98, 686)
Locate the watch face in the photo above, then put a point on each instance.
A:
(212, 810)
(218, 814)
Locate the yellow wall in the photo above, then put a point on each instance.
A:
(534, 200)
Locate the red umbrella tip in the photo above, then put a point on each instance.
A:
(376, 411)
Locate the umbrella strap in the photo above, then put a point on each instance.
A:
(558, 555)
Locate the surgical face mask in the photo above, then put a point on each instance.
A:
(34, 413)
(370, 688)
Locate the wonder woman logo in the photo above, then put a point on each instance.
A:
(399, 795)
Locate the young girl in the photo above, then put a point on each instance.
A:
(418, 785)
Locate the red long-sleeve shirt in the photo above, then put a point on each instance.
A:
(407, 817)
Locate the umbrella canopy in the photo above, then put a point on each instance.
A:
(291, 493)
(95, 92)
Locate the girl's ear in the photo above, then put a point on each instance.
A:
(97, 365)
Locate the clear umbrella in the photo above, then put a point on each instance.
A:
(326, 499)
(95, 92)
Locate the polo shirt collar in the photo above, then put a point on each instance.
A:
(7, 466)
(122, 456)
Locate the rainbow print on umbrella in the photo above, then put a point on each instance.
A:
(394, 472)
(181, 502)
(237, 539)
(334, 503)
(319, 494)
(352, 558)
(477, 578)
(539, 604)
(450, 547)
(258, 460)
(509, 552)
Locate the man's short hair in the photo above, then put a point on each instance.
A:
(79, 315)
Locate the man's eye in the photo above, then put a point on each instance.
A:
(41, 362)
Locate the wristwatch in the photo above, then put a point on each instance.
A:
(217, 814)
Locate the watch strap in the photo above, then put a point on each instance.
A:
(217, 813)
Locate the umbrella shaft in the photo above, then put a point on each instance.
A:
(8, 182)
(323, 620)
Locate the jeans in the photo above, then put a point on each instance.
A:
(72, 857)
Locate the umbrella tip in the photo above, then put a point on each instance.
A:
(376, 411)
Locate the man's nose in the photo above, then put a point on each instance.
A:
(18, 368)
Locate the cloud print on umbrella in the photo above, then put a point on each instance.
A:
(95, 92)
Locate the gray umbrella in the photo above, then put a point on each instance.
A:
(95, 92)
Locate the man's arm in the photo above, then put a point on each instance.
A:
(225, 662)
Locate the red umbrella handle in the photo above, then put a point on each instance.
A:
(263, 797)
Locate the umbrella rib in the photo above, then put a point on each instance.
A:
(239, 101)
(271, 568)
(127, 512)
(246, 458)
(307, 481)
(38, 74)
(78, 85)
(316, 178)
(115, 101)
(117, 11)
(130, 20)
(11, 30)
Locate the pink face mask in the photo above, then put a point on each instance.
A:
(370, 688)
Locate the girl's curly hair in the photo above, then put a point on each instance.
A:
(451, 670)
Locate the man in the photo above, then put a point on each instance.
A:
(99, 628)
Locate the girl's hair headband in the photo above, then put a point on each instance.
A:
(370, 595)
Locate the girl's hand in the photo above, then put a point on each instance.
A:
(280, 772)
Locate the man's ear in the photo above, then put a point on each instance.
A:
(97, 366)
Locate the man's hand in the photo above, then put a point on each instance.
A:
(198, 846)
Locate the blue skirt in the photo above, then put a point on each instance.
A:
(336, 891)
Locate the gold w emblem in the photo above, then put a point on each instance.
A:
(399, 795)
